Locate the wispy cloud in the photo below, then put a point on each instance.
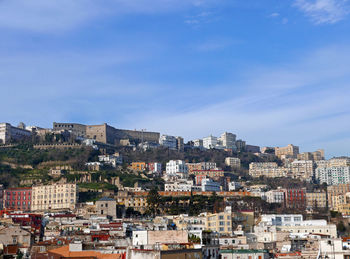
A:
(324, 11)
(52, 16)
(299, 103)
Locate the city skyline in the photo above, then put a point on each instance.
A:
(273, 73)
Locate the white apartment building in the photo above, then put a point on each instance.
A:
(210, 142)
(177, 168)
(208, 185)
(111, 159)
(168, 141)
(9, 132)
(269, 169)
(274, 196)
(179, 186)
(54, 197)
(233, 162)
(333, 175)
(268, 226)
(228, 140)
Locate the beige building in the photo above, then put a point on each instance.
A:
(269, 169)
(314, 156)
(131, 200)
(303, 169)
(234, 162)
(9, 133)
(316, 199)
(107, 207)
(289, 151)
(337, 190)
(54, 197)
(220, 222)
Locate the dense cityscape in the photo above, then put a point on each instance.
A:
(95, 191)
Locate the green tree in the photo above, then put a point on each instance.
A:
(153, 201)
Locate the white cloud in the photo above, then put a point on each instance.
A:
(53, 15)
(324, 11)
(274, 15)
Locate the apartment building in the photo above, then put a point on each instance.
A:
(201, 166)
(180, 146)
(177, 168)
(295, 198)
(228, 140)
(132, 200)
(208, 185)
(209, 173)
(316, 199)
(302, 169)
(138, 166)
(290, 151)
(275, 196)
(10, 133)
(268, 169)
(268, 226)
(220, 222)
(155, 167)
(54, 197)
(210, 142)
(336, 190)
(333, 175)
(179, 186)
(18, 198)
(234, 162)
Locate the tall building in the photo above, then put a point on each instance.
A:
(316, 199)
(10, 133)
(54, 197)
(210, 142)
(295, 198)
(168, 142)
(220, 222)
(240, 144)
(333, 175)
(289, 151)
(234, 162)
(268, 169)
(18, 199)
(228, 140)
(180, 144)
(302, 169)
(177, 168)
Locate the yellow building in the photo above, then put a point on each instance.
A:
(316, 199)
(130, 200)
(220, 222)
(54, 197)
(336, 190)
(288, 151)
(138, 166)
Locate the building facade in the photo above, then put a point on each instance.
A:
(18, 199)
(10, 133)
(54, 197)
(234, 162)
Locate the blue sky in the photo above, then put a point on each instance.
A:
(272, 71)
